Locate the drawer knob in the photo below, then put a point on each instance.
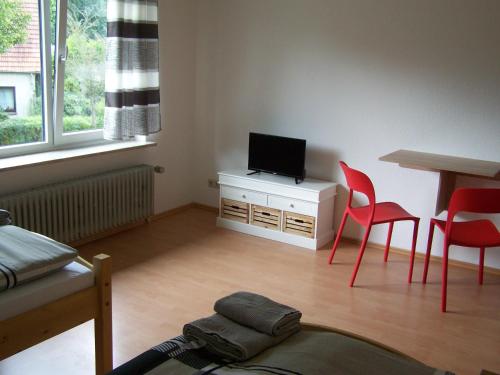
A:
(243, 196)
(291, 205)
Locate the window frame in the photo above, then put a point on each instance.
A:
(53, 136)
(61, 54)
(47, 142)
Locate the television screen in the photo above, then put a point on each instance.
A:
(278, 155)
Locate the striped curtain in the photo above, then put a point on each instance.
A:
(132, 74)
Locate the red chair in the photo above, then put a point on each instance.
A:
(475, 233)
(372, 214)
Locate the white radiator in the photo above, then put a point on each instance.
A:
(75, 209)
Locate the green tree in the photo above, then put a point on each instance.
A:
(13, 24)
(89, 15)
(84, 78)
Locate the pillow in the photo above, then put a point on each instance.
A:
(26, 255)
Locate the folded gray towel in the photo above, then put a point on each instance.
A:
(258, 312)
(230, 340)
(5, 217)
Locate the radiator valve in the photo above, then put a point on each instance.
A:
(5, 217)
(159, 169)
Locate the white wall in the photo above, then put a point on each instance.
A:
(357, 79)
(172, 189)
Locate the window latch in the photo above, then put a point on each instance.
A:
(64, 56)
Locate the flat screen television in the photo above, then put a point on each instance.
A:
(278, 155)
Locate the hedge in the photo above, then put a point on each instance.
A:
(29, 129)
(20, 130)
(79, 123)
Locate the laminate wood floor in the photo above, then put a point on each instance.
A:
(172, 270)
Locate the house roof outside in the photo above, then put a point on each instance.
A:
(25, 58)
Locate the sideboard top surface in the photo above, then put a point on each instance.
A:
(309, 190)
(308, 184)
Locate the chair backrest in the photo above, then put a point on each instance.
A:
(475, 200)
(359, 182)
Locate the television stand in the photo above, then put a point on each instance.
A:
(277, 208)
(297, 180)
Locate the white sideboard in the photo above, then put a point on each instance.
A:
(277, 208)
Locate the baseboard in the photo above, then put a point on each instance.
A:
(172, 211)
(107, 233)
(205, 207)
(434, 258)
(182, 208)
(177, 210)
(123, 228)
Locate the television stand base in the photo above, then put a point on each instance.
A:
(298, 180)
(275, 207)
(253, 172)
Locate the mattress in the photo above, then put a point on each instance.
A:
(68, 280)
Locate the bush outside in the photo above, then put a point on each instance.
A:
(28, 129)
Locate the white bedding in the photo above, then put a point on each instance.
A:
(69, 279)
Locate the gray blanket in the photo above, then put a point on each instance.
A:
(230, 340)
(25, 256)
(309, 352)
(260, 313)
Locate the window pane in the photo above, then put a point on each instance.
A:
(84, 68)
(21, 101)
(8, 99)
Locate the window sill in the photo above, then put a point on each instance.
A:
(68, 154)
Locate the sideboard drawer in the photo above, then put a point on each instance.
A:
(266, 217)
(301, 225)
(292, 205)
(234, 210)
(243, 195)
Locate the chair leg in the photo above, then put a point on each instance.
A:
(428, 252)
(481, 265)
(413, 247)
(388, 243)
(337, 239)
(445, 277)
(360, 255)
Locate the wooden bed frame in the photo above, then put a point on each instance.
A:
(32, 327)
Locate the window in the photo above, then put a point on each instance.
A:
(8, 99)
(21, 65)
(53, 64)
(80, 70)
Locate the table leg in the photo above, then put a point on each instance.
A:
(446, 187)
